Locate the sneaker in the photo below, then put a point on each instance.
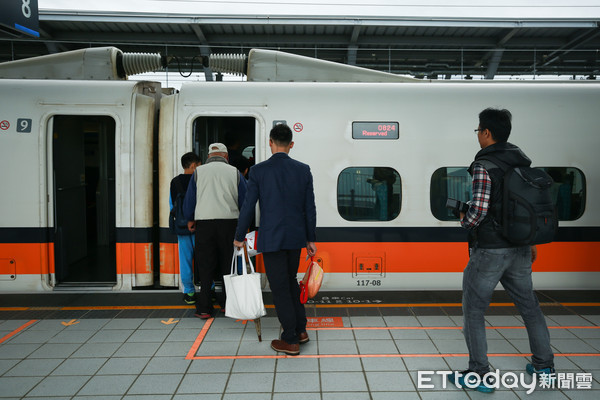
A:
(542, 371)
(189, 298)
(469, 384)
(203, 315)
(546, 377)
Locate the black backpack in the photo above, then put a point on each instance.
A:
(177, 222)
(529, 215)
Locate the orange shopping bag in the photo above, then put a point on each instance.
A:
(311, 283)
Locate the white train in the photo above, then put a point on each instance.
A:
(86, 167)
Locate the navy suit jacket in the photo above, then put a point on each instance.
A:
(288, 217)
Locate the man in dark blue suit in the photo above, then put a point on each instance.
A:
(288, 219)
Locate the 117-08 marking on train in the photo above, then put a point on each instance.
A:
(368, 282)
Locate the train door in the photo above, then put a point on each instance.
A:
(237, 133)
(83, 166)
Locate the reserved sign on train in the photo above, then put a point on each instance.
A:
(375, 130)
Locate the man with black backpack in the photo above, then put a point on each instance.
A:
(178, 225)
(502, 238)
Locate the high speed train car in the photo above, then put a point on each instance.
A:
(87, 164)
(386, 156)
(77, 184)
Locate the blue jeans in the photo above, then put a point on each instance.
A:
(512, 268)
(186, 262)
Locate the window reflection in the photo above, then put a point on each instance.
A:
(568, 191)
(369, 194)
(449, 182)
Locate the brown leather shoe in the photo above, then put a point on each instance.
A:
(284, 347)
(303, 337)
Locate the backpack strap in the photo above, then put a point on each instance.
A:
(179, 186)
(493, 212)
(487, 164)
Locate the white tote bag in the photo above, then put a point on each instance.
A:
(244, 294)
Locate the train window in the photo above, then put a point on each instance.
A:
(369, 194)
(448, 182)
(455, 182)
(568, 191)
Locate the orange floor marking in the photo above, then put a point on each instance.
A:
(346, 305)
(194, 349)
(424, 328)
(382, 356)
(13, 333)
(199, 339)
(126, 308)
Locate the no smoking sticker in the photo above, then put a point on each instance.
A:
(4, 125)
(298, 127)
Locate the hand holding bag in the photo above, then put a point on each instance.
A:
(311, 283)
(244, 294)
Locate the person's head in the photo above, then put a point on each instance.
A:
(190, 160)
(232, 140)
(217, 150)
(243, 164)
(280, 138)
(494, 126)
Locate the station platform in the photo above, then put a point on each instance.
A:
(363, 346)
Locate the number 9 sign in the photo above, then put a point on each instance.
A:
(24, 125)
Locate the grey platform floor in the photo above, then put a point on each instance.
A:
(356, 355)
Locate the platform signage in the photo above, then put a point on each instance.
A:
(324, 322)
(375, 130)
(21, 16)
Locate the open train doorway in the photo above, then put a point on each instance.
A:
(84, 214)
(237, 133)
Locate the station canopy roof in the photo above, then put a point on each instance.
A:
(430, 38)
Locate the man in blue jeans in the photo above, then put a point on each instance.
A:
(185, 243)
(494, 259)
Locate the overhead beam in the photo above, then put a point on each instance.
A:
(493, 63)
(572, 45)
(204, 50)
(494, 57)
(353, 48)
(136, 18)
(280, 40)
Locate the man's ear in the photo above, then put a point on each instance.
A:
(291, 144)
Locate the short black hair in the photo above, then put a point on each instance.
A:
(188, 159)
(281, 134)
(497, 121)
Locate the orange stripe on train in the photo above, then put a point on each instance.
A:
(443, 257)
(38, 258)
(26, 258)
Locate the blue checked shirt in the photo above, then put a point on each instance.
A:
(480, 204)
